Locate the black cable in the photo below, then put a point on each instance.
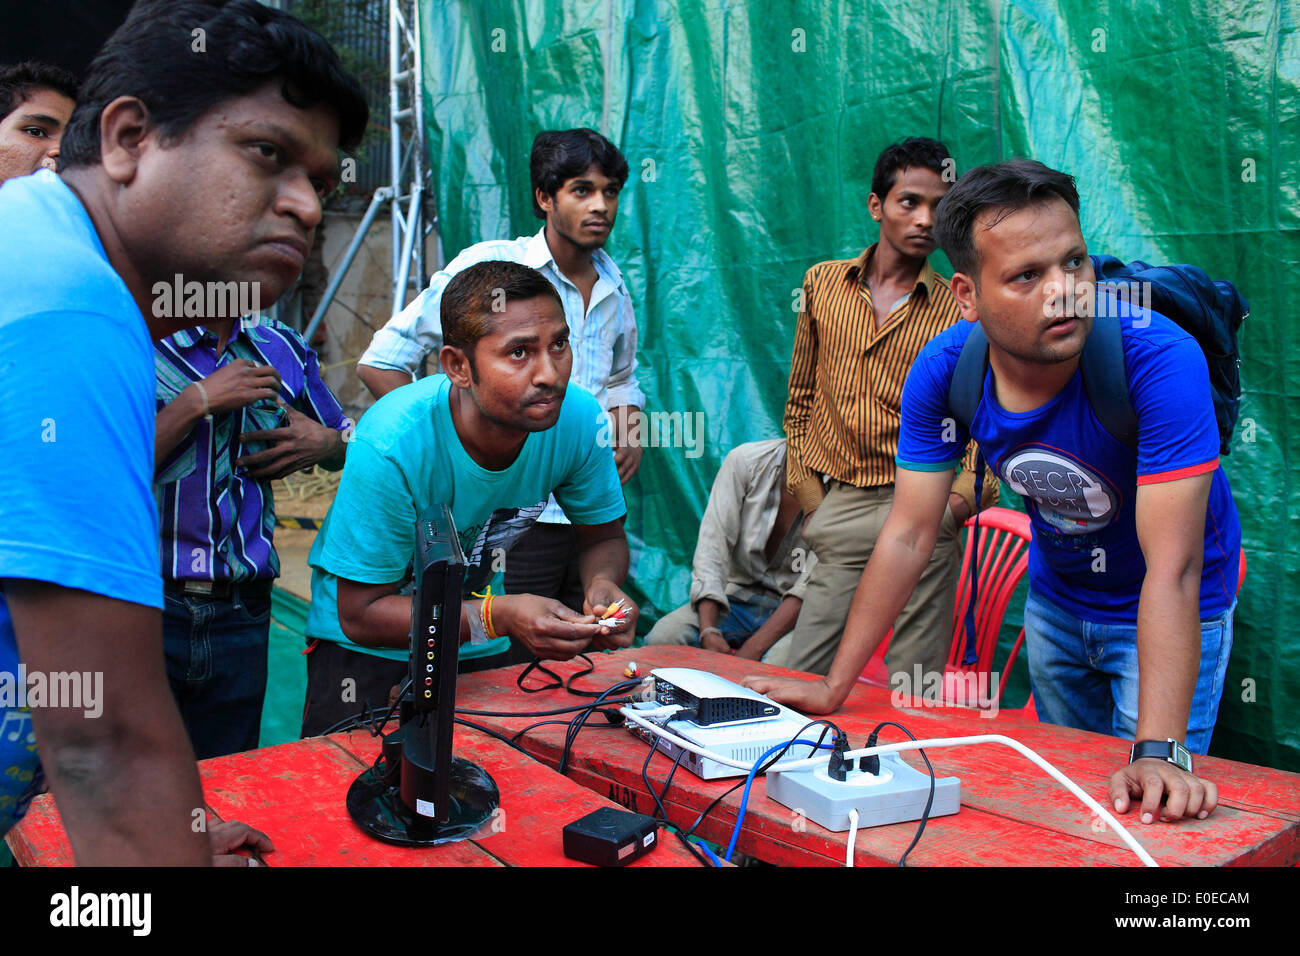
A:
(568, 684)
(663, 794)
(556, 682)
(581, 714)
(348, 723)
(579, 721)
(392, 708)
(492, 733)
(659, 803)
(925, 814)
(571, 736)
(543, 723)
(542, 713)
(763, 769)
(704, 860)
(366, 715)
(658, 798)
(361, 719)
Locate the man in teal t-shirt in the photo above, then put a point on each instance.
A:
(492, 439)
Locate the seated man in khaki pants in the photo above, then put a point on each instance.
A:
(862, 324)
(751, 563)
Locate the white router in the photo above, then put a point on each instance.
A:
(731, 721)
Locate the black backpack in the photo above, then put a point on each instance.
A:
(1211, 312)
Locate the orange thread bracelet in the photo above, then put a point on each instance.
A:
(487, 615)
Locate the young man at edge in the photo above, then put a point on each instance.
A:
(1012, 232)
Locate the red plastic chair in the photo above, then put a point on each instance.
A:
(1004, 558)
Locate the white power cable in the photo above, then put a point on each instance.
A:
(932, 744)
(1020, 748)
(853, 835)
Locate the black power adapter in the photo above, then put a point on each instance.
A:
(610, 837)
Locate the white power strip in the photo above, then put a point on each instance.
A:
(895, 795)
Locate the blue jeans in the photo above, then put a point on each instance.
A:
(744, 618)
(1085, 675)
(682, 626)
(216, 665)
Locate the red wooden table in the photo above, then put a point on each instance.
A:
(295, 794)
(1012, 813)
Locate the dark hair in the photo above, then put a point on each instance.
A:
(913, 151)
(472, 296)
(1008, 186)
(22, 80)
(159, 56)
(560, 154)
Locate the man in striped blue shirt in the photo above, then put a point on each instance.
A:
(240, 403)
(577, 175)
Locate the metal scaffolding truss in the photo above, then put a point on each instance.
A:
(406, 192)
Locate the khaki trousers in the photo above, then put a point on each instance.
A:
(843, 532)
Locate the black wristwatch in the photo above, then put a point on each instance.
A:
(1168, 749)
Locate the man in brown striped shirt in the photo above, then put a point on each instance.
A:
(862, 324)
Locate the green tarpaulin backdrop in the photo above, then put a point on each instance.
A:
(751, 129)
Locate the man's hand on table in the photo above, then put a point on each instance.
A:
(227, 836)
(600, 595)
(806, 696)
(1152, 779)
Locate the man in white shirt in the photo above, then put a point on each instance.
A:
(577, 175)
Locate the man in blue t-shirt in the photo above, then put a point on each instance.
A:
(492, 439)
(1133, 565)
(208, 168)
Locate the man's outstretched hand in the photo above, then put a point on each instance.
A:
(806, 696)
(1167, 792)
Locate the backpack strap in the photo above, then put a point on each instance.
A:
(1104, 378)
(965, 390)
(967, 385)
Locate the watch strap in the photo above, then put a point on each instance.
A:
(1169, 750)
